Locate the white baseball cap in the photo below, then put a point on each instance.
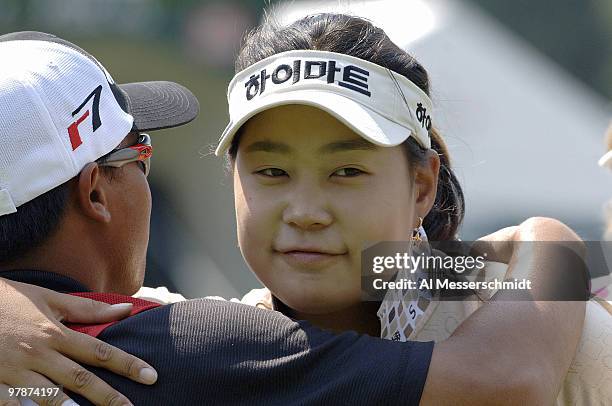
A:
(382, 106)
(60, 110)
(606, 160)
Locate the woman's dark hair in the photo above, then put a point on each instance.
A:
(357, 37)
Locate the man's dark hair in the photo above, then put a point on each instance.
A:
(32, 224)
(37, 220)
(357, 37)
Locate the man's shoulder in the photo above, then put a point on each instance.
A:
(217, 321)
(227, 353)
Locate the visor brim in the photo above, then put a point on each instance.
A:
(364, 121)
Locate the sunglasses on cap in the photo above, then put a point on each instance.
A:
(140, 152)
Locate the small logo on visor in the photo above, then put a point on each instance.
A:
(73, 129)
(352, 77)
(423, 117)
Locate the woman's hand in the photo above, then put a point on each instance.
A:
(543, 251)
(513, 350)
(37, 350)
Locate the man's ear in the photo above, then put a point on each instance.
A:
(426, 183)
(91, 193)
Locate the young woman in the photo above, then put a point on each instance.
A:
(331, 146)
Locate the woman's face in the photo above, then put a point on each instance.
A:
(309, 193)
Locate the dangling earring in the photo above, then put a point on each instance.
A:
(416, 233)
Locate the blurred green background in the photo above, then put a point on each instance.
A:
(193, 246)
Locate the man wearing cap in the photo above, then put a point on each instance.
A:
(74, 213)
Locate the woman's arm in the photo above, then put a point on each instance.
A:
(36, 348)
(512, 352)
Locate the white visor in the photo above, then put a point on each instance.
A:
(606, 160)
(382, 106)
